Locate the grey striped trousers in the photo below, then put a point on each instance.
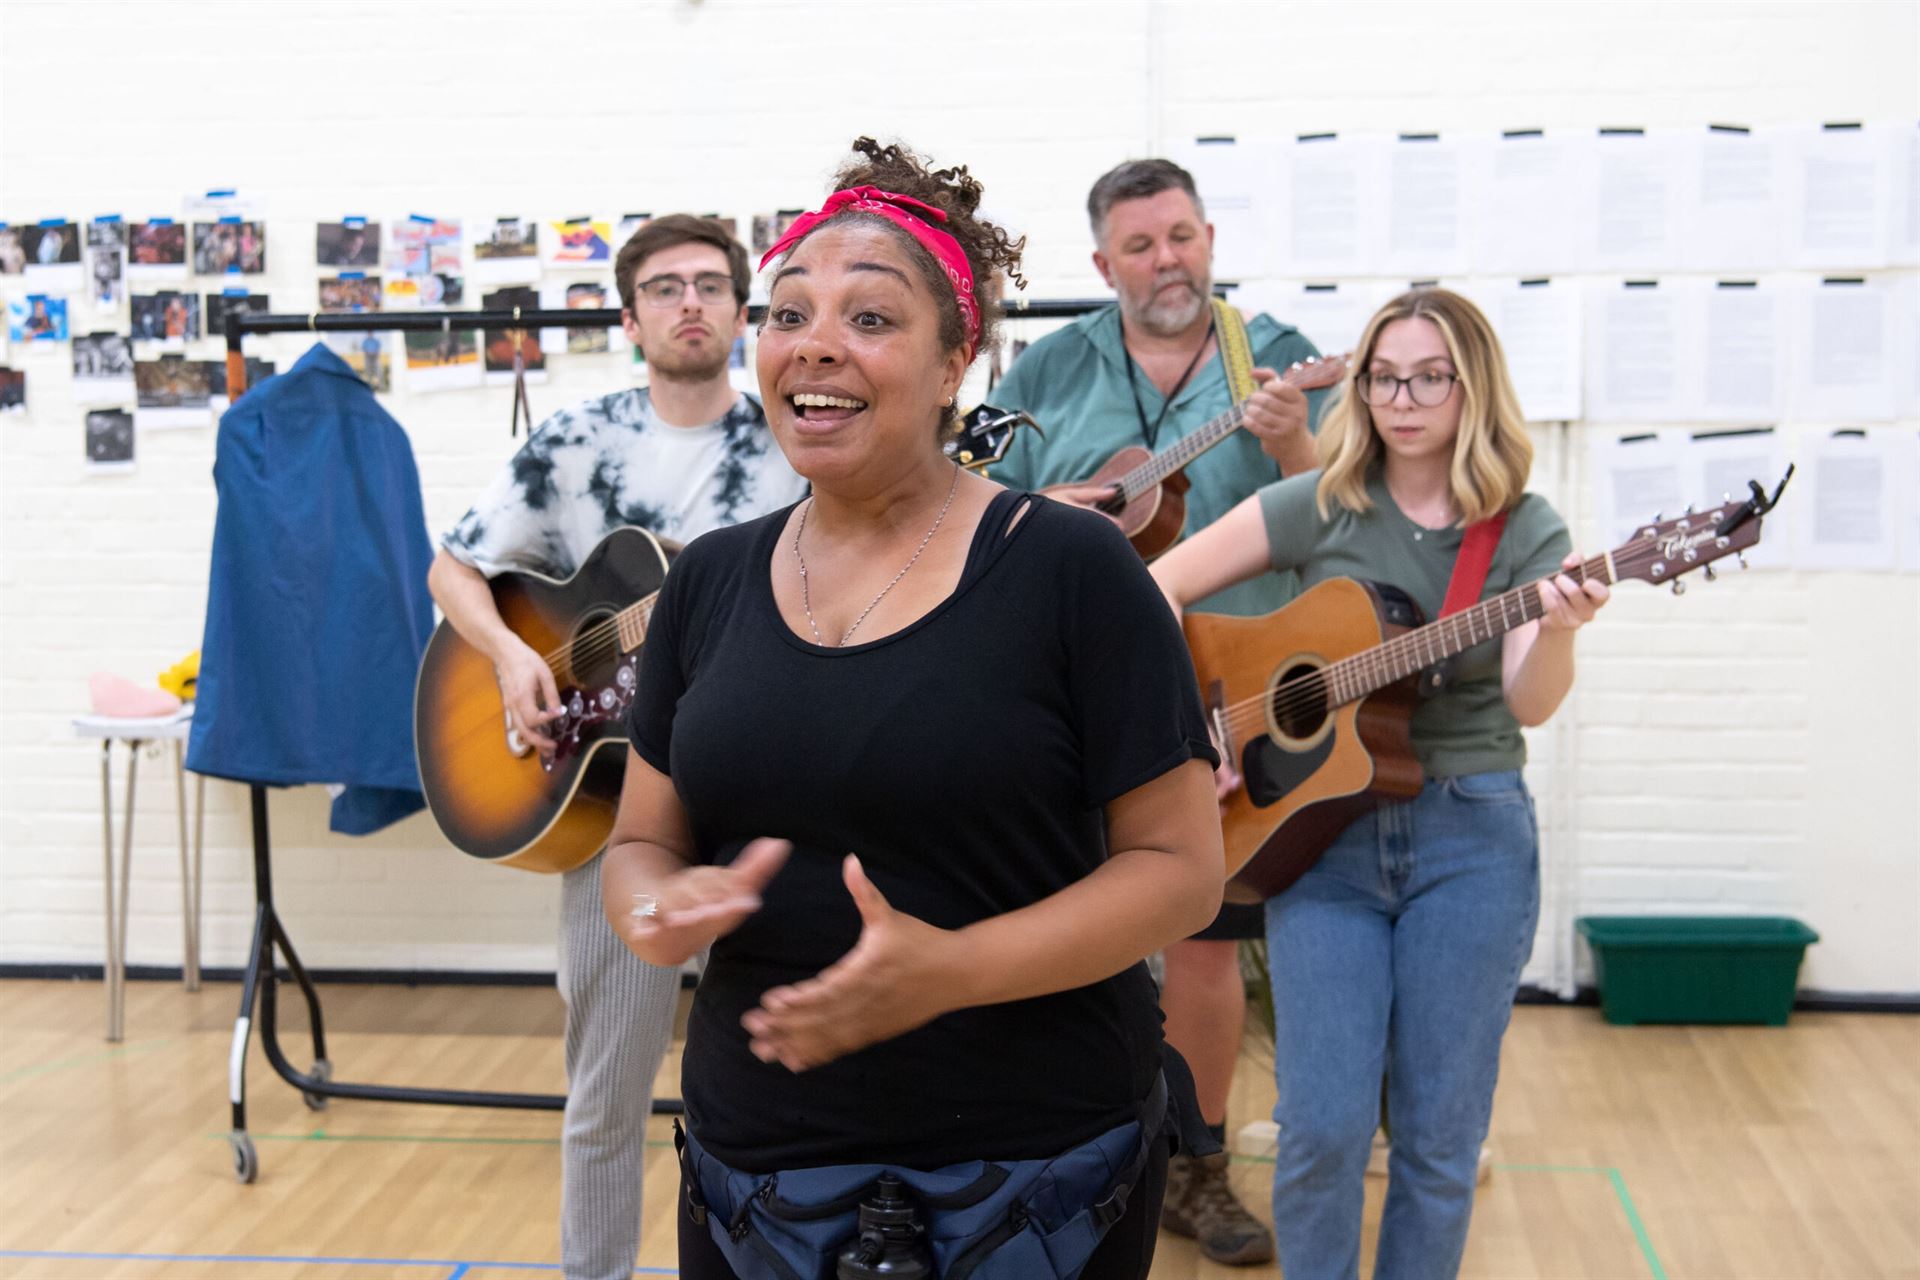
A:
(619, 1020)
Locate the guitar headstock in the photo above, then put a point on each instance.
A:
(1663, 550)
(985, 435)
(1315, 372)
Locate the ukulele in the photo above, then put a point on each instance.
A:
(1312, 703)
(495, 798)
(1149, 489)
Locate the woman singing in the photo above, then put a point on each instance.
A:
(1398, 953)
(923, 760)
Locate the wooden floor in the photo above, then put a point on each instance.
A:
(1644, 1152)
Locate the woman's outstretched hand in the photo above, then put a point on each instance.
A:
(897, 977)
(691, 908)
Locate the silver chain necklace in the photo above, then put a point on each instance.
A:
(806, 600)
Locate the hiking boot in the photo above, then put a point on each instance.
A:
(1201, 1206)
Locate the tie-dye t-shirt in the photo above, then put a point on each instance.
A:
(611, 462)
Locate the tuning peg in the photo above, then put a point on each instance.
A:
(1679, 586)
(1741, 556)
(1711, 575)
(1726, 497)
(1656, 517)
(1689, 510)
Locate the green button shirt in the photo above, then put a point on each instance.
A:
(1074, 383)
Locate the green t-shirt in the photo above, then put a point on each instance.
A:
(1467, 728)
(1074, 383)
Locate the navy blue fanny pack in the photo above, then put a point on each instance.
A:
(985, 1220)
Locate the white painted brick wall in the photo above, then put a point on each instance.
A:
(1754, 747)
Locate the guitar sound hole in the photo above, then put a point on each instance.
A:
(1299, 705)
(592, 653)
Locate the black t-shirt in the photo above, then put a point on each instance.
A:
(967, 760)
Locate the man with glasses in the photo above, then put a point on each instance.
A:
(683, 455)
(1148, 371)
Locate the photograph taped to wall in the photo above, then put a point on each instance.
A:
(102, 368)
(628, 226)
(442, 361)
(109, 440)
(53, 254)
(367, 354)
(353, 292)
(418, 245)
(354, 242)
(51, 244)
(171, 382)
(38, 317)
(221, 305)
(410, 293)
(13, 258)
(167, 316)
(589, 296)
(576, 295)
(498, 346)
(171, 391)
(13, 390)
(257, 372)
(107, 260)
(229, 245)
(157, 250)
(506, 251)
(769, 227)
(578, 243)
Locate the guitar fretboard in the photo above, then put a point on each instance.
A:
(1353, 678)
(632, 622)
(1148, 475)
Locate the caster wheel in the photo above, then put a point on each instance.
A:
(323, 1072)
(246, 1165)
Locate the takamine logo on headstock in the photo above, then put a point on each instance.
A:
(1664, 550)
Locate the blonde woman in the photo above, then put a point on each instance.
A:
(1398, 954)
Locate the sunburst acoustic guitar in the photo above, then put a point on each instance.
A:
(1312, 702)
(499, 801)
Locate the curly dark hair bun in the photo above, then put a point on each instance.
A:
(956, 193)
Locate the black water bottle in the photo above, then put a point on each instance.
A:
(892, 1242)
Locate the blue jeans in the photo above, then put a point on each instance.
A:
(1398, 953)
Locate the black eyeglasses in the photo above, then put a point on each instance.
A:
(1428, 389)
(665, 291)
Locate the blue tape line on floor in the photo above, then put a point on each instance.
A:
(461, 1267)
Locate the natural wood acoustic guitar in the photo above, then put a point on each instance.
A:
(1311, 703)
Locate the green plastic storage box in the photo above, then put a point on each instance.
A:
(1696, 968)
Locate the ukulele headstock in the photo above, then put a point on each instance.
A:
(1315, 372)
(985, 435)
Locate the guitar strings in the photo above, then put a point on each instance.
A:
(1311, 691)
(590, 646)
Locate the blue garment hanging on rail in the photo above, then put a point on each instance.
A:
(317, 605)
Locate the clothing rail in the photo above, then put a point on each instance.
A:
(260, 979)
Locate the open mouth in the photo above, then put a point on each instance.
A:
(811, 406)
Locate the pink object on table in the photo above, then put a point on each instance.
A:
(120, 697)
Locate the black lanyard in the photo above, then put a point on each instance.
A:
(1151, 434)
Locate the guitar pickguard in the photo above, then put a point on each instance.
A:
(1271, 771)
(582, 710)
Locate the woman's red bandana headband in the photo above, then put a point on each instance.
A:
(917, 220)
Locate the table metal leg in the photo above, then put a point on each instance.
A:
(111, 969)
(199, 846)
(189, 924)
(126, 879)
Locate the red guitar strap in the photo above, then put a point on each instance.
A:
(1471, 564)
